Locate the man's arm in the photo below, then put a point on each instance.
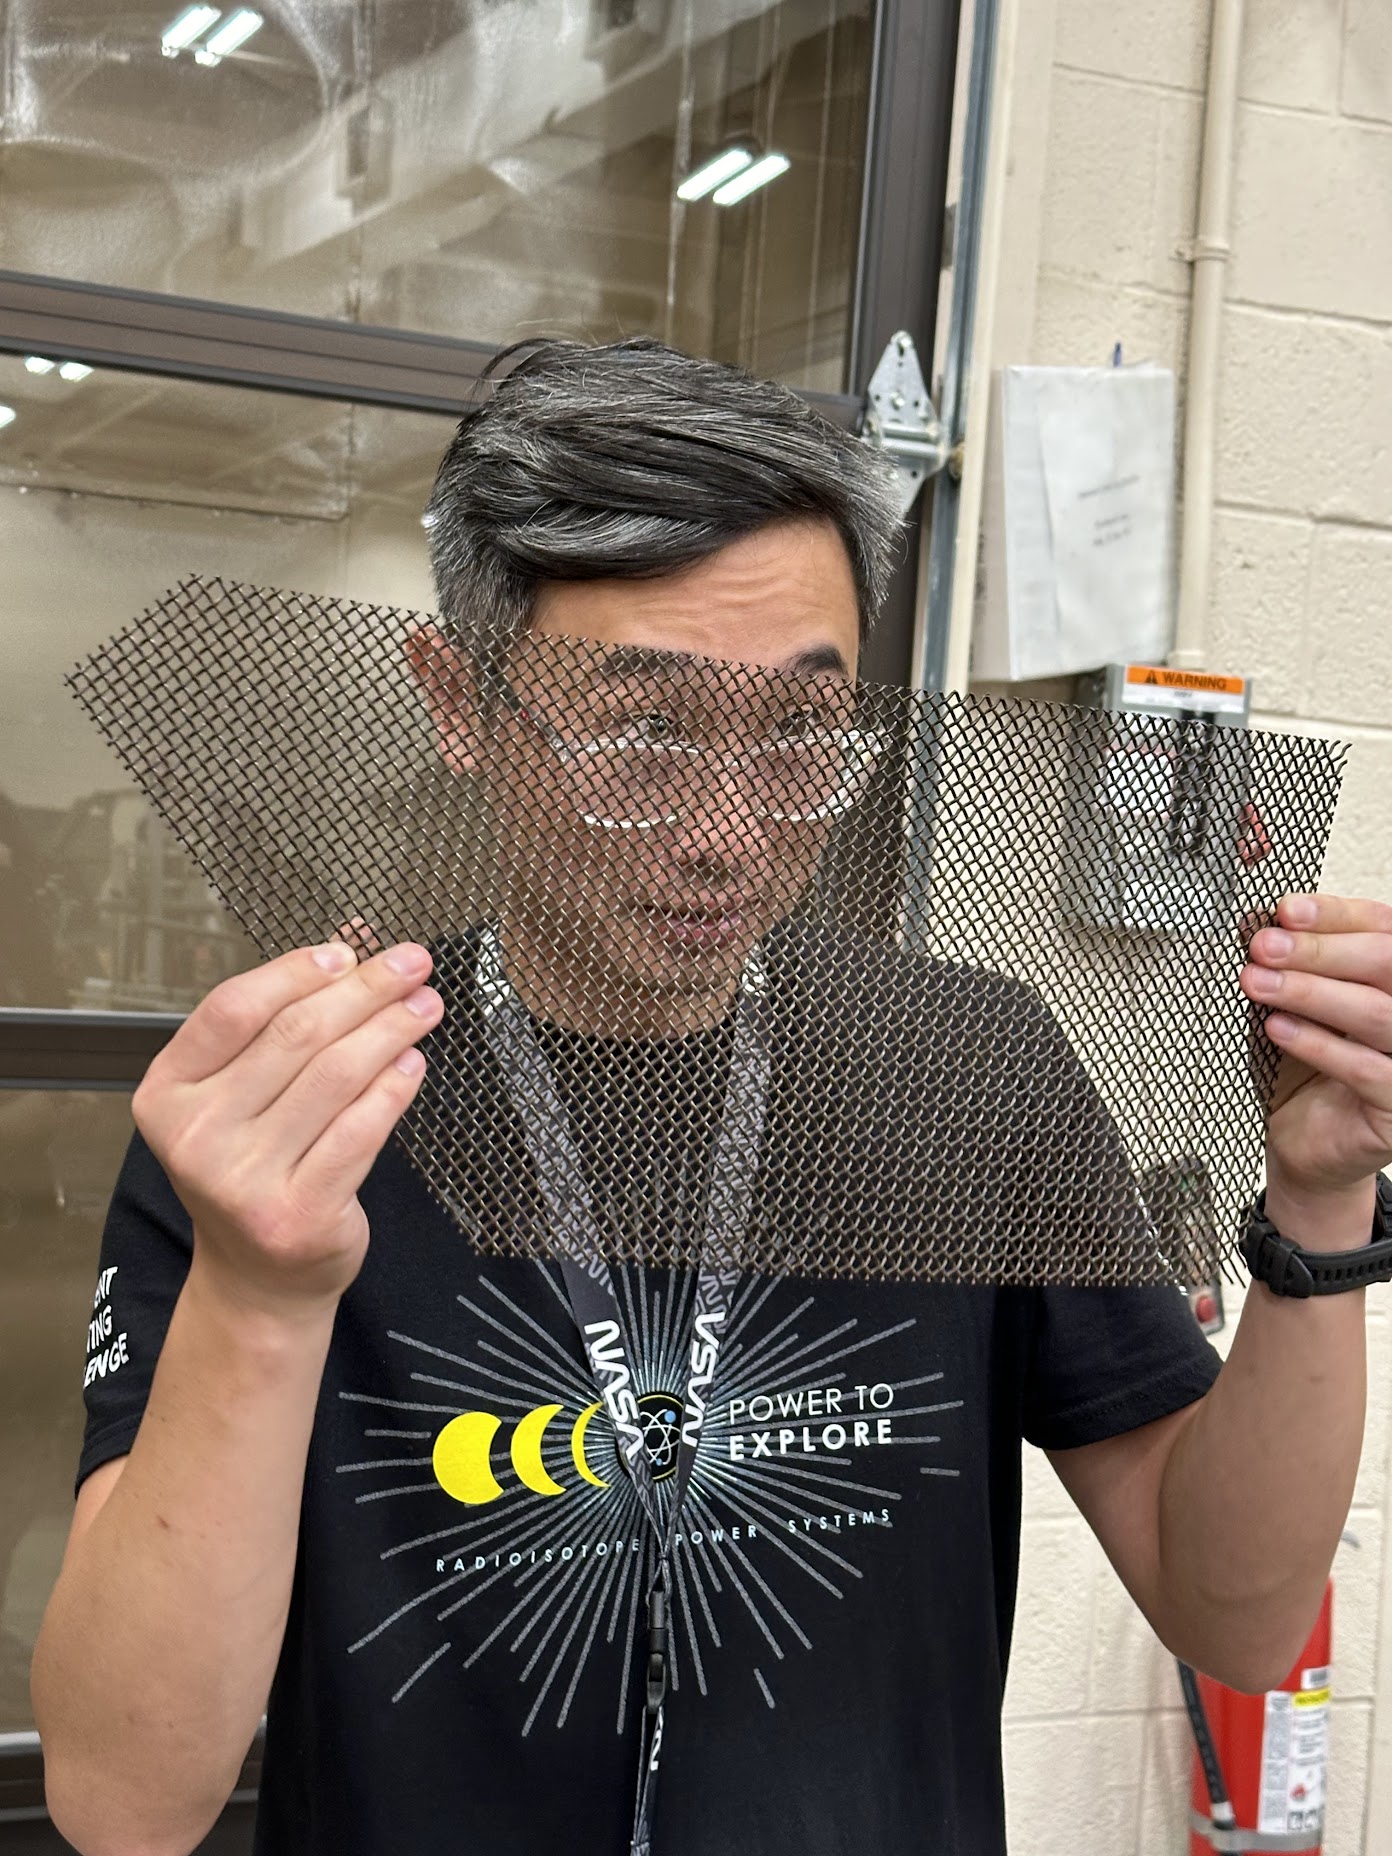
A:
(1222, 1520)
(160, 1641)
(162, 1635)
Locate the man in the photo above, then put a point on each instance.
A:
(371, 1475)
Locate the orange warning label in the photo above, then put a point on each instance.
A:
(1157, 676)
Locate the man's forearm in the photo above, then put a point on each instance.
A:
(1258, 1485)
(161, 1639)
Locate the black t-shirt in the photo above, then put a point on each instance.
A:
(460, 1675)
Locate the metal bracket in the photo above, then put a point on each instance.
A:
(1241, 1842)
(900, 419)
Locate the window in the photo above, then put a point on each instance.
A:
(465, 168)
(112, 488)
(250, 284)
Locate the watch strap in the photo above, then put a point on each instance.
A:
(1287, 1269)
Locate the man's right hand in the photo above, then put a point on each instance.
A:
(269, 1105)
(266, 1109)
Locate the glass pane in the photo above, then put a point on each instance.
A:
(112, 488)
(59, 1154)
(464, 168)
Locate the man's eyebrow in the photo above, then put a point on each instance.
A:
(820, 657)
(636, 660)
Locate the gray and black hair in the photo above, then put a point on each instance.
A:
(633, 460)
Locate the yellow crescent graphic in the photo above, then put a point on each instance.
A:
(526, 1451)
(460, 1458)
(577, 1446)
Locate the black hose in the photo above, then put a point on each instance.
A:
(1219, 1803)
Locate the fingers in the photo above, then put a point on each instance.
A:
(1335, 914)
(301, 1036)
(335, 1076)
(1353, 1010)
(339, 1160)
(1360, 955)
(1367, 1072)
(238, 1011)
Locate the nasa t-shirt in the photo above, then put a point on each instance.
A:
(462, 1667)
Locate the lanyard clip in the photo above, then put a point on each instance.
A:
(657, 1649)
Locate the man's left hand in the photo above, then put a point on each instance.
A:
(1325, 971)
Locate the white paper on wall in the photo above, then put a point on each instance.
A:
(1080, 573)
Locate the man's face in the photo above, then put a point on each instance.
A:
(651, 824)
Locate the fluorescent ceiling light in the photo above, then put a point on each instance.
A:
(6, 414)
(39, 364)
(186, 28)
(710, 173)
(232, 33)
(759, 175)
(74, 370)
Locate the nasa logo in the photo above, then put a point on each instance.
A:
(705, 1350)
(604, 1344)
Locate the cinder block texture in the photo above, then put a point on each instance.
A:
(1099, 192)
(1312, 203)
(1165, 1779)
(1366, 89)
(1358, 1606)
(1060, 1563)
(1078, 322)
(1261, 572)
(1151, 45)
(1350, 1733)
(1370, 1491)
(1070, 1786)
(1128, 1666)
(1351, 615)
(1360, 848)
(1302, 413)
(1291, 53)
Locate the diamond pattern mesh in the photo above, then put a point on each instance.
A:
(988, 950)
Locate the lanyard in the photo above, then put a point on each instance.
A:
(594, 1301)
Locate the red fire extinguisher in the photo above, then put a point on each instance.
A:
(1260, 1760)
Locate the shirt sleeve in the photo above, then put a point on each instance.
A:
(1102, 1360)
(146, 1247)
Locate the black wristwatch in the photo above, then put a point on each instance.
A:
(1286, 1269)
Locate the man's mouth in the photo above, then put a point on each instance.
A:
(696, 929)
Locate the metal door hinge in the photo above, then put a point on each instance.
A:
(900, 419)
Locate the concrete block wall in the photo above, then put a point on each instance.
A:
(1104, 146)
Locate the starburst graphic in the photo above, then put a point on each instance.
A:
(560, 1530)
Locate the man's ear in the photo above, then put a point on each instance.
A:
(447, 681)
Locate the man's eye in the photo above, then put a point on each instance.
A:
(797, 725)
(649, 725)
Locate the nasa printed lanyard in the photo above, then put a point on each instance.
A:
(594, 1302)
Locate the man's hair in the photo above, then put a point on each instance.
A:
(633, 460)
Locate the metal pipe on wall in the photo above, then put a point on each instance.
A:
(1210, 260)
(930, 662)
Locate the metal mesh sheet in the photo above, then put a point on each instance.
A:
(985, 952)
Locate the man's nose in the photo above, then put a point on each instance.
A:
(721, 827)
